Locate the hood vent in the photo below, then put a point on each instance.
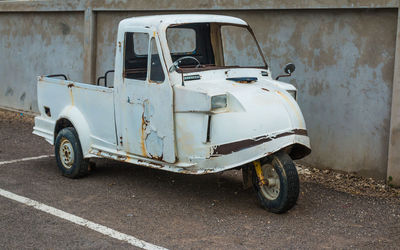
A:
(243, 79)
(191, 77)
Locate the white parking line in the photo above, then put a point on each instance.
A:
(25, 159)
(80, 221)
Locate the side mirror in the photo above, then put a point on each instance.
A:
(289, 68)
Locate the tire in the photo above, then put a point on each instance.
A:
(281, 186)
(69, 154)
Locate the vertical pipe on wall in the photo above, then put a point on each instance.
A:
(393, 170)
(89, 46)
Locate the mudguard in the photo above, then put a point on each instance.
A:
(74, 115)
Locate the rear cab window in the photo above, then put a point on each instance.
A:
(136, 55)
(137, 58)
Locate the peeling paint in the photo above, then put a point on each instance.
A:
(154, 145)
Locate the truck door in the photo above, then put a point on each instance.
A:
(144, 99)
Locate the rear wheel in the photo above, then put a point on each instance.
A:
(276, 182)
(69, 155)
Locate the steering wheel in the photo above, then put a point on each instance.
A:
(176, 63)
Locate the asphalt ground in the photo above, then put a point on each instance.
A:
(173, 210)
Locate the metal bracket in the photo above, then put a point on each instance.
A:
(257, 167)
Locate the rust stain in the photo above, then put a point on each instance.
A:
(159, 158)
(151, 81)
(72, 96)
(232, 147)
(143, 137)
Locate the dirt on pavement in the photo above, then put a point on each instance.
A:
(349, 183)
(16, 139)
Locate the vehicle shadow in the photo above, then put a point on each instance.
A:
(223, 190)
(225, 187)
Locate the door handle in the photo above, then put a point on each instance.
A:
(129, 101)
(134, 101)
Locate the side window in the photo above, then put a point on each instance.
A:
(156, 70)
(136, 55)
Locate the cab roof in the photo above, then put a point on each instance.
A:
(160, 21)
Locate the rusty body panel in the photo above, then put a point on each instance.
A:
(219, 118)
(232, 147)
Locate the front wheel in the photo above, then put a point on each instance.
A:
(276, 182)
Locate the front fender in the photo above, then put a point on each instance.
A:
(74, 115)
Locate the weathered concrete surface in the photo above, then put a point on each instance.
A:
(344, 76)
(193, 5)
(89, 46)
(34, 44)
(393, 173)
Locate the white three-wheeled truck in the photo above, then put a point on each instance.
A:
(191, 94)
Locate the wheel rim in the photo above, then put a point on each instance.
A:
(272, 188)
(66, 152)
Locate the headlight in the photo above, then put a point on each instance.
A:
(293, 93)
(218, 102)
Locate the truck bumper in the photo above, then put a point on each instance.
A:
(237, 154)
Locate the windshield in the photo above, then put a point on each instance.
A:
(203, 46)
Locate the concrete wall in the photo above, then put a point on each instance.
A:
(344, 76)
(33, 44)
(344, 52)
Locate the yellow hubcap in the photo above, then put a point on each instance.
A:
(66, 152)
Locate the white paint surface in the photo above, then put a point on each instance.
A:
(79, 221)
(147, 129)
